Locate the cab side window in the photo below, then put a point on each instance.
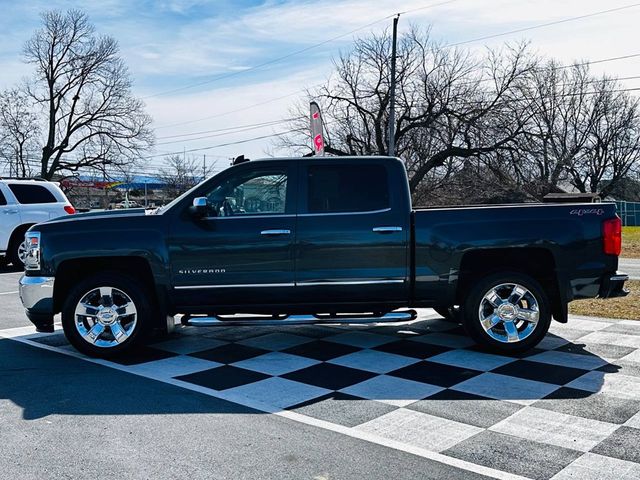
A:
(262, 192)
(347, 188)
(3, 201)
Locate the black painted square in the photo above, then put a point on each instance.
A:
(435, 373)
(326, 375)
(222, 378)
(321, 350)
(540, 372)
(230, 353)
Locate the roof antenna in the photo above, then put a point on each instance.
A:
(240, 159)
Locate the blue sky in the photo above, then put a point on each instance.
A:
(176, 43)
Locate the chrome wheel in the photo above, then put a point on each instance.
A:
(105, 317)
(509, 313)
(22, 252)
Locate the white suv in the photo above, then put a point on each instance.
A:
(24, 203)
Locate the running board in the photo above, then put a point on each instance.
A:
(219, 321)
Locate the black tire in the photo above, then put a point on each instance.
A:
(120, 284)
(13, 255)
(449, 314)
(536, 296)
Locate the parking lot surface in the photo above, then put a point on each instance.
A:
(630, 266)
(409, 401)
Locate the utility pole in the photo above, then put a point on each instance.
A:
(204, 167)
(392, 90)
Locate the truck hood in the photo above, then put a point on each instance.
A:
(106, 214)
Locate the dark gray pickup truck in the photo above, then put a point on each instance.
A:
(319, 239)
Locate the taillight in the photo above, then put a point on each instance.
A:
(612, 236)
(69, 209)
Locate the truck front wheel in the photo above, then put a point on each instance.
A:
(106, 315)
(507, 312)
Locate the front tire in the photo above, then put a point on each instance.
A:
(107, 315)
(507, 312)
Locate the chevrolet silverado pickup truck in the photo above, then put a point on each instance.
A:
(318, 239)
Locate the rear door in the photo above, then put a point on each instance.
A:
(352, 235)
(36, 202)
(9, 217)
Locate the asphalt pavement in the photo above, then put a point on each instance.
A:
(321, 402)
(630, 266)
(62, 417)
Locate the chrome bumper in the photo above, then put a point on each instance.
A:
(36, 293)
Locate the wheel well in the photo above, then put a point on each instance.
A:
(536, 262)
(70, 272)
(18, 232)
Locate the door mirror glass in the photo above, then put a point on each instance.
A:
(199, 208)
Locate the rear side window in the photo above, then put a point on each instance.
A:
(3, 201)
(347, 188)
(26, 194)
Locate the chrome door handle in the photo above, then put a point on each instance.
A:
(275, 232)
(10, 212)
(387, 229)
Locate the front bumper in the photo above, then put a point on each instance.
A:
(36, 294)
(612, 286)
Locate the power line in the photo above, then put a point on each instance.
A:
(221, 144)
(603, 60)
(289, 55)
(223, 134)
(445, 46)
(248, 107)
(541, 25)
(225, 129)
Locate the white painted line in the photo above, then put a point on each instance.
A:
(295, 416)
(8, 293)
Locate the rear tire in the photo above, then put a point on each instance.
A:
(507, 312)
(107, 315)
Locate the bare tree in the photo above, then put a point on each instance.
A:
(84, 89)
(181, 173)
(613, 149)
(19, 132)
(450, 104)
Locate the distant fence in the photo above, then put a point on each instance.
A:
(629, 212)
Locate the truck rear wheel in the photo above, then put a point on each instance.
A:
(106, 315)
(507, 312)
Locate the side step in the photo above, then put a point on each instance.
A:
(237, 321)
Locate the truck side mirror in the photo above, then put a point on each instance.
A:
(199, 207)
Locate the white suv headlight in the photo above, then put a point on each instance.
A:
(32, 251)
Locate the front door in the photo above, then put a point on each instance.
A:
(241, 253)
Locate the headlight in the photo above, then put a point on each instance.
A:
(32, 251)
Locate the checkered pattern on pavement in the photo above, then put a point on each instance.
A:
(570, 406)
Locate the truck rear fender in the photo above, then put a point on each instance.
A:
(536, 262)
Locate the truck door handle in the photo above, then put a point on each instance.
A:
(387, 229)
(10, 212)
(275, 232)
